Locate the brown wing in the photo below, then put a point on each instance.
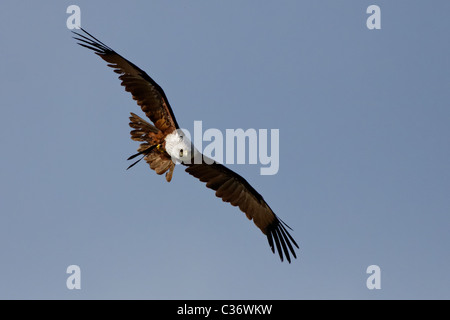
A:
(143, 131)
(148, 94)
(234, 189)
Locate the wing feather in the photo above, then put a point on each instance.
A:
(147, 93)
(232, 188)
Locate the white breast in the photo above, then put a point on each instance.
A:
(179, 147)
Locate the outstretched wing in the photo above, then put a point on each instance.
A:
(234, 189)
(148, 94)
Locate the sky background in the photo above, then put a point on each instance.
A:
(364, 178)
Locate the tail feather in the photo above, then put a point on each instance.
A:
(143, 131)
(150, 136)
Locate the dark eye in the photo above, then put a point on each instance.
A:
(181, 153)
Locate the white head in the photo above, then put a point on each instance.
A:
(179, 147)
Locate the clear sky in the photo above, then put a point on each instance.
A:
(364, 177)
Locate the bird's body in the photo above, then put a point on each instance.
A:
(163, 144)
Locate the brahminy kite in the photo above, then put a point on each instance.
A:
(163, 144)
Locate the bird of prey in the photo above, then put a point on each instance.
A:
(163, 144)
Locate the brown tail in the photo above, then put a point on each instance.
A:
(150, 136)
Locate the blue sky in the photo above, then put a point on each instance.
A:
(364, 172)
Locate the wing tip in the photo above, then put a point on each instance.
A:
(87, 40)
(281, 241)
